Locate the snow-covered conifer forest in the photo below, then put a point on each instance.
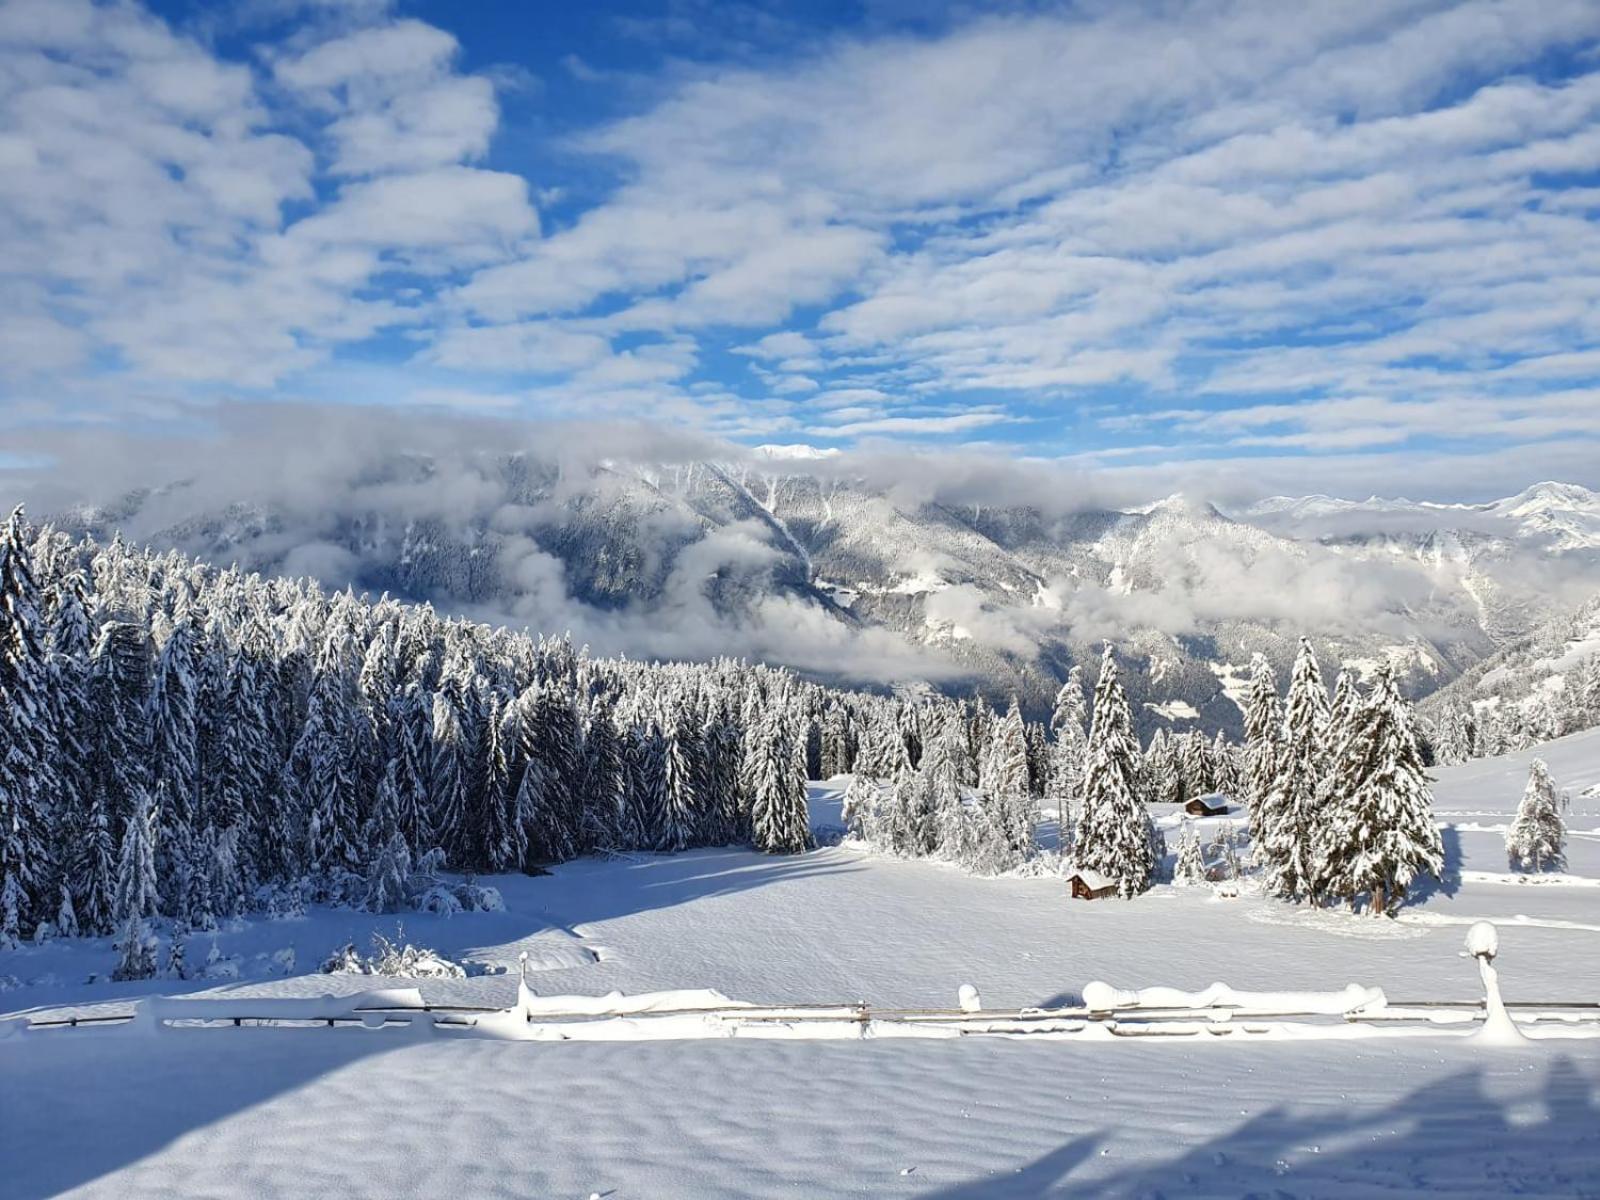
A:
(192, 744)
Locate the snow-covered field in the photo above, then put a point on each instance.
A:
(357, 1112)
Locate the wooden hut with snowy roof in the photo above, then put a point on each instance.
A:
(1091, 885)
(1213, 804)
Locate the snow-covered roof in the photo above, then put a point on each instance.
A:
(1093, 880)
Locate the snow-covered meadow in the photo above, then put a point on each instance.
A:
(391, 1113)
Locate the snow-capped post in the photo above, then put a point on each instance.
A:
(1483, 943)
(524, 993)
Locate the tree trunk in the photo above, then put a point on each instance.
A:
(1378, 900)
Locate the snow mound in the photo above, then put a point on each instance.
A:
(1101, 997)
(616, 1004)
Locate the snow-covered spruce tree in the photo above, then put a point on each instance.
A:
(1225, 767)
(1379, 814)
(1069, 714)
(647, 781)
(83, 853)
(779, 817)
(1346, 703)
(1190, 870)
(955, 822)
(860, 797)
(1263, 730)
(390, 857)
(1225, 849)
(1113, 833)
(450, 760)
(681, 817)
(323, 764)
(547, 833)
(1008, 795)
(137, 894)
(376, 684)
(1194, 761)
(836, 756)
(245, 761)
(554, 737)
(138, 952)
(727, 814)
(27, 743)
(600, 771)
(1537, 837)
(175, 760)
(1288, 823)
(1163, 778)
(495, 838)
(410, 750)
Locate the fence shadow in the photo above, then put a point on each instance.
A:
(1451, 1137)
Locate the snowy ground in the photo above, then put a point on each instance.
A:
(361, 1112)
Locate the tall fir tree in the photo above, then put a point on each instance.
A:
(175, 762)
(83, 853)
(137, 894)
(1008, 791)
(1113, 832)
(323, 763)
(1379, 830)
(681, 812)
(779, 817)
(604, 774)
(27, 743)
(1288, 825)
(1263, 732)
(451, 772)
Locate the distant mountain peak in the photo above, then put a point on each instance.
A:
(797, 451)
(1548, 494)
(1180, 504)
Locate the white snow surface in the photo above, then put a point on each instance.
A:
(356, 1111)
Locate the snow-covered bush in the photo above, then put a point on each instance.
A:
(346, 960)
(407, 962)
(425, 891)
(218, 966)
(281, 901)
(440, 900)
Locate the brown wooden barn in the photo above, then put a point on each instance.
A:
(1213, 805)
(1091, 885)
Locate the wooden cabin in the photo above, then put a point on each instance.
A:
(1215, 804)
(1091, 885)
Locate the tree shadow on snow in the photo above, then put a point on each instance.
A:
(1449, 1136)
(1449, 881)
(589, 890)
(79, 1105)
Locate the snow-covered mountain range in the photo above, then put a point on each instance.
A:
(791, 558)
(1557, 516)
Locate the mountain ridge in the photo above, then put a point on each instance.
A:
(791, 560)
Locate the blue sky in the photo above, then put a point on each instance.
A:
(1355, 250)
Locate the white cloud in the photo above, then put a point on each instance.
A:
(146, 206)
(1350, 231)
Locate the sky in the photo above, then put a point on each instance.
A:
(1355, 249)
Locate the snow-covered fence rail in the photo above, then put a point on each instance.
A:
(1106, 1011)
